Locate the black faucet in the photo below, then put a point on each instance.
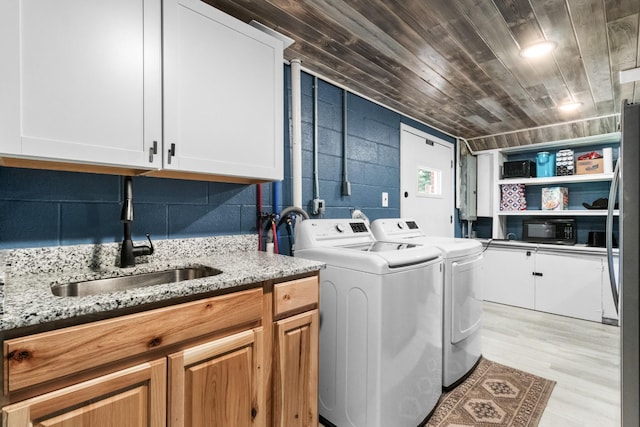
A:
(129, 252)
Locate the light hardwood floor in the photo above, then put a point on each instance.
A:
(582, 357)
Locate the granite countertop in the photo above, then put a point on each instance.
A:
(29, 274)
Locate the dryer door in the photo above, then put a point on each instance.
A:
(466, 295)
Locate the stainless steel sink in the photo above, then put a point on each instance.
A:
(113, 284)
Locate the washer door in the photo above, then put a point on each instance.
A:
(466, 298)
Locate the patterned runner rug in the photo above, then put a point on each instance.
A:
(494, 395)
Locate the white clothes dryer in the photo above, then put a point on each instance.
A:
(380, 325)
(462, 302)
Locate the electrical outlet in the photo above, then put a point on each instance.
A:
(318, 207)
(385, 199)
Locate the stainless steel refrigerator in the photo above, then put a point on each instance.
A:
(630, 263)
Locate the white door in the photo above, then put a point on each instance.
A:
(426, 181)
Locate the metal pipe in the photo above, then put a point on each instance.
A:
(259, 214)
(346, 186)
(316, 181)
(296, 131)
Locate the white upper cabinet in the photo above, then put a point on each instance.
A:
(223, 94)
(81, 81)
(98, 82)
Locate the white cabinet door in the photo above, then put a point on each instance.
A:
(223, 88)
(81, 80)
(570, 285)
(508, 277)
(485, 184)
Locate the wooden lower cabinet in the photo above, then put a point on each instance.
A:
(296, 371)
(245, 359)
(132, 397)
(218, 383)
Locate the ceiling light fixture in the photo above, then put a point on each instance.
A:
(538, 49)
(570, 106)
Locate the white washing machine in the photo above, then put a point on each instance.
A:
(462, 303)
(380, 325)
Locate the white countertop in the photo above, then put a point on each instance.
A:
(578, 248)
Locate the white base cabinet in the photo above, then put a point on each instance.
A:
(609, 312)
(508, 277)
(567, 284)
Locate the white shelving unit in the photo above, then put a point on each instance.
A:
(568, 212)
(596, 177)
(498, 156)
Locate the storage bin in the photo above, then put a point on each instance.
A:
(584, 167)
(555, 198)
(545, 164)
(564, 163)
(512, 197)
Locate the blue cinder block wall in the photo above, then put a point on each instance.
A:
(373, 151)
(49, 208)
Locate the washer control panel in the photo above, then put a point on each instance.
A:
(332, 232)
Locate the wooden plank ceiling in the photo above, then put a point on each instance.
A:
(455, 64)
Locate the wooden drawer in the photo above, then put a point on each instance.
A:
(47, 356)
(293, 296)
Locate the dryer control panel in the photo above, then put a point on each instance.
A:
(396, 228)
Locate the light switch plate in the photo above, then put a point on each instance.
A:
(385, 199)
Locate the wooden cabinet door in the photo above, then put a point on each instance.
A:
(218, 383)
(133, 397)
(223, 94)
(295, 391)
(81, 81)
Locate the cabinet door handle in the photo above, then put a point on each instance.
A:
(153, 150)
(535, 273)
(171, 152)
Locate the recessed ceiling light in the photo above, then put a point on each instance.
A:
(570, 106)
(538, 49)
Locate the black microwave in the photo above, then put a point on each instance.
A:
(519, 169)
(559, 231)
